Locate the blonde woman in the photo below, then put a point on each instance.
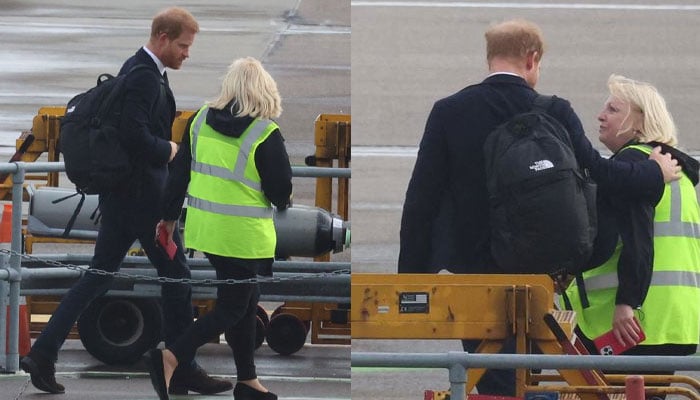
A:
(647, 256)
(234, 167)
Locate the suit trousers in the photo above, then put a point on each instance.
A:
(235, 312)
(118, 230)
(495, 382)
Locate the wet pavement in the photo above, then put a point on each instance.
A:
(53, 50)
(315, 372)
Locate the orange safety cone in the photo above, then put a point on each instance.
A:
(24, 342)
(6, 224)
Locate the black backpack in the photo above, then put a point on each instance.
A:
(96, 161)
(542, 205)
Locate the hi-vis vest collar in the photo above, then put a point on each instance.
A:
(254, 132)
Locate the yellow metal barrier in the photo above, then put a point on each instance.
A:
(332, 137)
(489, 308)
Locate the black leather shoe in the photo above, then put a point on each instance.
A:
(245, 392)
(43, 373)
(154, 362)
(186, 380)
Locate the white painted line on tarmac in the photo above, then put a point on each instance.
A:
(384, 151)
(316, 30)
(539, 6)
(373, 206)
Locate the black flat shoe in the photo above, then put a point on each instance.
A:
(186, 379)
(154, 362)
(245, 392)
(42, 372)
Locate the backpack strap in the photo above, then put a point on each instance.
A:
(107, 103)
(73, 217)
(542, 103)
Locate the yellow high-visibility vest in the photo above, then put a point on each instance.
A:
(671, 311)
(227, 211)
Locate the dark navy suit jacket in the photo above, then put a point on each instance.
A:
(445, 222)
(146, 127)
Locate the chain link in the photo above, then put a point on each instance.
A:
(162, 279)
(22, 389)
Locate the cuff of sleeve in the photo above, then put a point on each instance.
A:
(162, 153)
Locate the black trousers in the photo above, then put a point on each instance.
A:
(120, 227)
(495, 382)
(235, 311)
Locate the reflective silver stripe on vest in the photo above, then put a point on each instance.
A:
(238, 174)
(658, 278)
(673, 228)
(228, 209)
(195, 129)
(213, 170)
(676, 227)
(255, 132)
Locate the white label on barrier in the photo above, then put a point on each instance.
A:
(383, 309)
(414, 303)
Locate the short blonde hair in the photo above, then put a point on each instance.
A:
(253, 89)
(657, 122)
(173, 21)
(514, 39)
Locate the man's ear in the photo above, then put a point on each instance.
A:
(162, 39)
(531, 60)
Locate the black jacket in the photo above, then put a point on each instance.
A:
(631, 220)
(146, 123)
(271, 160)
(445, 222)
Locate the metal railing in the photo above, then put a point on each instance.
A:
(12, 273)
(457, 363)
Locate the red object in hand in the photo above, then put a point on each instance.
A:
(168, 246)
(608, 345)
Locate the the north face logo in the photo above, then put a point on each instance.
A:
(541, 165)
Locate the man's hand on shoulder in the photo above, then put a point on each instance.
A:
(669, 166)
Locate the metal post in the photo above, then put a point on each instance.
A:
(12, 361)
(458, 376)
(3, 312)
